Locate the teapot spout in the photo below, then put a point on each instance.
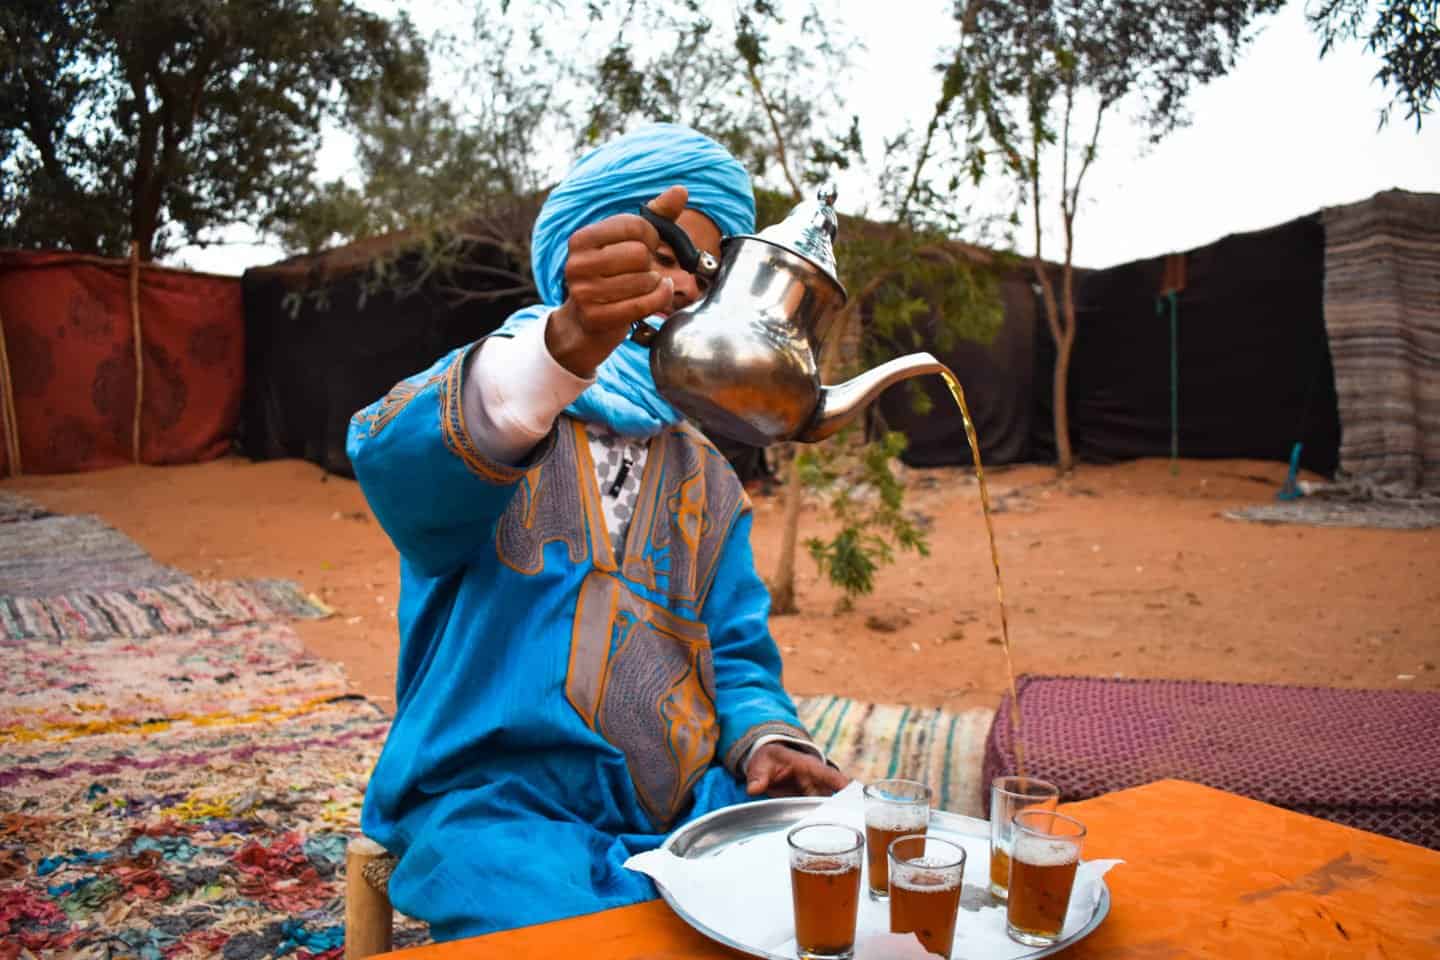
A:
(842, 403)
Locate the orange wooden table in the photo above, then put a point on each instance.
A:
(1207, 874)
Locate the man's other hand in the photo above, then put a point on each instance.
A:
(777, 770)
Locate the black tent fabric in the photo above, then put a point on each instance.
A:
(310, 369)
(1255, 375)
(998, 380)
(311, 366)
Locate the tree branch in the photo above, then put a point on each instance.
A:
(769, 108)
(1065, 146)
(1033, 179)
(971, 14)
(830, 349)
(1089, 158)
(40, 130)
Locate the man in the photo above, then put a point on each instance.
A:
(585, 660)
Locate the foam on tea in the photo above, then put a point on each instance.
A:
(882, 828)
(1041, 852)
(927, 881)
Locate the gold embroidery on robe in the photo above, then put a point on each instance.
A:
(643, 678)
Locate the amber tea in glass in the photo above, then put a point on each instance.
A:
(825, 887)
(1043, 861)
(926, 876)
(1009, 796)
(893, 808)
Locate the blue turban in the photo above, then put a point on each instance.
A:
(619, 177)
(625, 173)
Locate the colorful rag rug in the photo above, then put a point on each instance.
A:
(52, 555)
(14, 507)
(1365, 758)
(56, 692)
(144, 611)
(188, 796)
(871, 741)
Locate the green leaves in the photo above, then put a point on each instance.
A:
(849, 560)
(866, 499)
(1406, 36)
(167, 119)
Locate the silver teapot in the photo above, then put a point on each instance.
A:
(743, 360)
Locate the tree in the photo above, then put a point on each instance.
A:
(1040, 77)
(1406, 36)
(157, 121)
(906, 276)
(762, 84)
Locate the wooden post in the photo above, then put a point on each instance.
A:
(9, 417)
(139, 348)
(368, 914)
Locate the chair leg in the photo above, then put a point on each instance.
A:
(368, 914)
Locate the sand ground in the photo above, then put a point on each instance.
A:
(1125, 570)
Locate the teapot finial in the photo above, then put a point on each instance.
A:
(810, 231)
(827, 193)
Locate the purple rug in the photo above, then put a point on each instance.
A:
(1365, 758)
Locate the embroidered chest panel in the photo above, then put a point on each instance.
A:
(687, 503)
(640, 672)
(549, 505)
(644, 680)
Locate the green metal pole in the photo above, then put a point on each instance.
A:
(1173, 300)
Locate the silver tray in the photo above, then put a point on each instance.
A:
(708, 835)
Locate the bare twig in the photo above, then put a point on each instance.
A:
(780, 151)
(1090, 150)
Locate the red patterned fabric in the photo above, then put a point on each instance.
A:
(1365, 758)
(68, 337)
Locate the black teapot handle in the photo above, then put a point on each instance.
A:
(693, 259)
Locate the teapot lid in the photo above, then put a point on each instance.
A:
(810, 230)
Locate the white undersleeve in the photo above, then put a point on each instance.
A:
(513, 392)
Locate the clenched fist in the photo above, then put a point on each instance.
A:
(617, 272)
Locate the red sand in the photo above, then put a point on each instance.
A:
(1125, 570)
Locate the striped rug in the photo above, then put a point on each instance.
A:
(14, 507)
(178, 776)
(871, 741)
(145, 611)
(48, 555)
(1382, 318)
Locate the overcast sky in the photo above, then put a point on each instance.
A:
(1283, 135)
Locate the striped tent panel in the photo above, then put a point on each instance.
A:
(1382, 318)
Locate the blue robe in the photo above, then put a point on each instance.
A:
(559, 707)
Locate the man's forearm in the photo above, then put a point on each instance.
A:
(513, 392)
